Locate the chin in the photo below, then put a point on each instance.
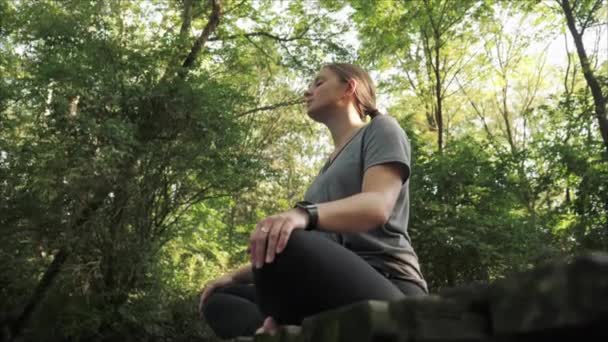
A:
(316, 114)
(312, 114)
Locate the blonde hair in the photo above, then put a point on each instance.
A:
(365, 92)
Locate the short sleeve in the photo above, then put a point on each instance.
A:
(386, 142)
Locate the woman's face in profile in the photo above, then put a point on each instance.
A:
(324, 93)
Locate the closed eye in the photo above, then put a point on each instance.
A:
(317, 81)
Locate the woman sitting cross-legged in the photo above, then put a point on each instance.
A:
(347, 241)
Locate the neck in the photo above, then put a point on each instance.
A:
(343, 125)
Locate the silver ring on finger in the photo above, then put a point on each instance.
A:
(264, 229)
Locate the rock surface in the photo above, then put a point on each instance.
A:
(555, 301)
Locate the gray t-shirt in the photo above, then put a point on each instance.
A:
(387, 247)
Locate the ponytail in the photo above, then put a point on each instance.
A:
(372, 113)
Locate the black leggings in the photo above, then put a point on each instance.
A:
(311, 275)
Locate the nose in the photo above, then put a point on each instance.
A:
(307, 93)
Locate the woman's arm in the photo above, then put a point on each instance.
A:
(367, 210)
(243, 274)
(370, 208)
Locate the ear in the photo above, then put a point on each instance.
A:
(351, 87)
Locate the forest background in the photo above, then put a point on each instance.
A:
(140, 142)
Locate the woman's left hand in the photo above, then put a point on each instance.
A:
(271, 234)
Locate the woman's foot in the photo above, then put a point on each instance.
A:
(269, 327)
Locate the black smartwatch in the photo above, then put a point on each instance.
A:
(312, 211)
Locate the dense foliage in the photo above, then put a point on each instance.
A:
(140, 142)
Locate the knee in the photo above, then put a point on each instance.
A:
(298, 252)
(211, 311)
(217, 317)
(295, 250)
(231, 315)
(296, 244)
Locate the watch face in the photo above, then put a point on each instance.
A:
(305, 205)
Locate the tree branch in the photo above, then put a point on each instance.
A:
(214, 20)
(271, 107)
(596, 6)
(261, 49)
(235, 7)
(531, 94)
(264, 34)
(479, 114)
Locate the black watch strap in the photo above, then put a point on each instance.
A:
(312, 211)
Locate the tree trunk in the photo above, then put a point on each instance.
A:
(44, 285)
(439, 112)
(599, 100)
(506, 119)
(450, 276)
(428, 62)
(17, 325)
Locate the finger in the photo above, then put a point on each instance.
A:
(285, 232)
(201, 302)
(251, 251)
(255, 237)
(270, 324)
(273, 237)
(252, 243)
(204, 295)
(284, 238)
(260, 248)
